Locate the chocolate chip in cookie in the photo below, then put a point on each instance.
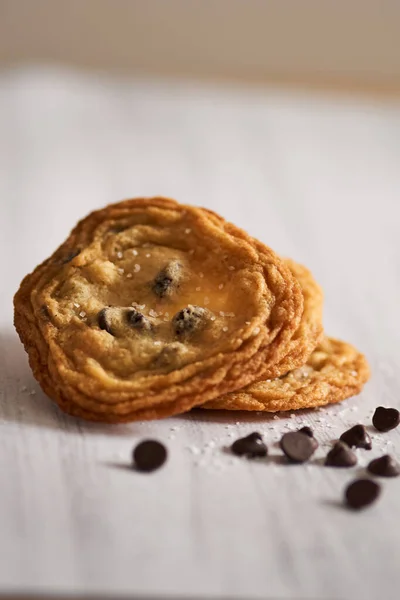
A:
(167, 279)
(189, 320)
(137, 320)
(104, 320)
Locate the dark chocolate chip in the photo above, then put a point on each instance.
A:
(45, 312)
(70, 256)
(297, 446)
(361, 493)
(306, 431)
(167, 279)
(251, 446)
(385, 466)
(103, 319)
(340, 456)
(149, 455)
(385, 419)
(357, 437)
(137, 319)
(189, 320)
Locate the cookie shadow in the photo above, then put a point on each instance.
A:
(233, 417)
(22, 402)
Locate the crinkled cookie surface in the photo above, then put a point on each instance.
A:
(150, 308)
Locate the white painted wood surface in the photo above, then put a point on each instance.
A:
(317, 179)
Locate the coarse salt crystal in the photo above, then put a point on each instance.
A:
(152, 313)
(247, 322)
(256, 331)
(119, 254)
(166, 314)
(122, 271)
(76, 305)
(129, 275)
(231, 268)
(136, 268)
(148, 255)
(157, 343)
(187, 231)
(221, 313)
(221, 285)
(212, 318)
(224, 329)
(82, 314)
(135, 252)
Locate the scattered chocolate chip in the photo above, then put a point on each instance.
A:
(297, 446)
(306, 431)
(167, 279)
(361, 493)
(189, 320)
(385, 466)
(137, 319)
(385, 419)
(103, 319)
(149, 455)
(70, 256)
(251, 446)
(340, 456)
(357, 437)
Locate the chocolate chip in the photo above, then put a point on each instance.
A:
(357, 437)
(361, 493)
(297, 446)
(385, 419)
(70, 256)
(45, 312)
(189, 320)
(167, 279)
(137, 319)
(306, 431)
(385, 466)
(103, 319)
(251, 446)
(149, 455)
(340, 456)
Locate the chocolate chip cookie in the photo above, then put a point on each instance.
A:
(150, 308)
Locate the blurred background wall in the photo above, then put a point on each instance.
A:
(341, 43)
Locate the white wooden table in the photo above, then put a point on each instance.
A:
(317, 178)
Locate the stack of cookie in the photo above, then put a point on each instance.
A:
(151, 308)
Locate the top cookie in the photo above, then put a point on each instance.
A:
(149, 308)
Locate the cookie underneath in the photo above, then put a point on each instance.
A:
(335, 371)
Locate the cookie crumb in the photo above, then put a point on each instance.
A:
(187, 231)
